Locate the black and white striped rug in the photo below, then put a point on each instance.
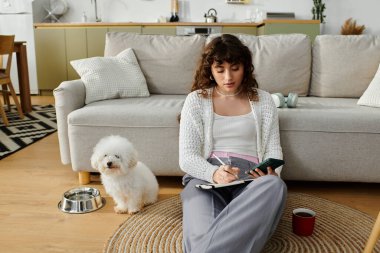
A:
(22, 132)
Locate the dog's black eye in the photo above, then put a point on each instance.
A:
(117, 156)
(105, 155)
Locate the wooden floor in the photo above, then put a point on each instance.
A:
(32, 182)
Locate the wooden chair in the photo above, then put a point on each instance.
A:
(6, 48)
(373, 237)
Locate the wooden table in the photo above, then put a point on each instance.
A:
(23, 75)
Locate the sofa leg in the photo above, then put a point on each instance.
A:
(84, 177)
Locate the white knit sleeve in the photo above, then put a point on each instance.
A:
(191, 140)
(271, 132)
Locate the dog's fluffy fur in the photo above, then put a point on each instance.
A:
(130, 183)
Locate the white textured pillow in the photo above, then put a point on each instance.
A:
(371, 96)
(111, 77)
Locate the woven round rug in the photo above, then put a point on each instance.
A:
(338, 228)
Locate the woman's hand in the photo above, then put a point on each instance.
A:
(225, 174)
(258, 173)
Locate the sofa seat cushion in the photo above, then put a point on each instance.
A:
(340, 115)
(153, 111)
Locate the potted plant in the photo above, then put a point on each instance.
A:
(318, 9)
(350, 28)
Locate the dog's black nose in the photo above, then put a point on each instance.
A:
(109, 164)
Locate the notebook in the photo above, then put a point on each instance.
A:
(243, 177)
(215, 186)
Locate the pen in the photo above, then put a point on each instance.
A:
(217, 158)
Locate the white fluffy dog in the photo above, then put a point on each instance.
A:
(130, 183)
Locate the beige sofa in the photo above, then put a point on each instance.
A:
(328, 137)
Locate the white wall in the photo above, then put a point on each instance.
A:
(364, 11)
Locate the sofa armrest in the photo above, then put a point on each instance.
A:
(69, 96)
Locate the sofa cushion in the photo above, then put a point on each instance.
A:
(282, 62)
(153, 111)
(344, 65)
(371, 96)
(168, 62)
(340, 115)
(111, 77)
(330, 139)
(149, 123)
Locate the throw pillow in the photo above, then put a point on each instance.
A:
(111, 77)
(270, 53)
(343, 66)
(168, 61)
(371, 96)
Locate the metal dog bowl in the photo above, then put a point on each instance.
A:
(81, 200)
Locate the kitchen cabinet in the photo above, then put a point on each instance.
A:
(50, 58)
(76, 48)
(129, 29)
(57, 44)
(96, 41)
(167, 30)
(56, 47)
(308, 27)
(240, 29)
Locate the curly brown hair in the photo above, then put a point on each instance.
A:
(225, 48)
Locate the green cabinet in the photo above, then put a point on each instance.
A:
(127, 29)
(75, 40)
(96, 41)
(167, 30)
(56, 46)
(240, 29)
(50, 45)
(312, 29)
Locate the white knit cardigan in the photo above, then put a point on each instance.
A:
(195, 137)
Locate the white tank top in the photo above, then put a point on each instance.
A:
(235, 134)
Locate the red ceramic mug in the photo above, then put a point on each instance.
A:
(303, 221)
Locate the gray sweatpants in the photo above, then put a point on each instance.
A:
(238, 218)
